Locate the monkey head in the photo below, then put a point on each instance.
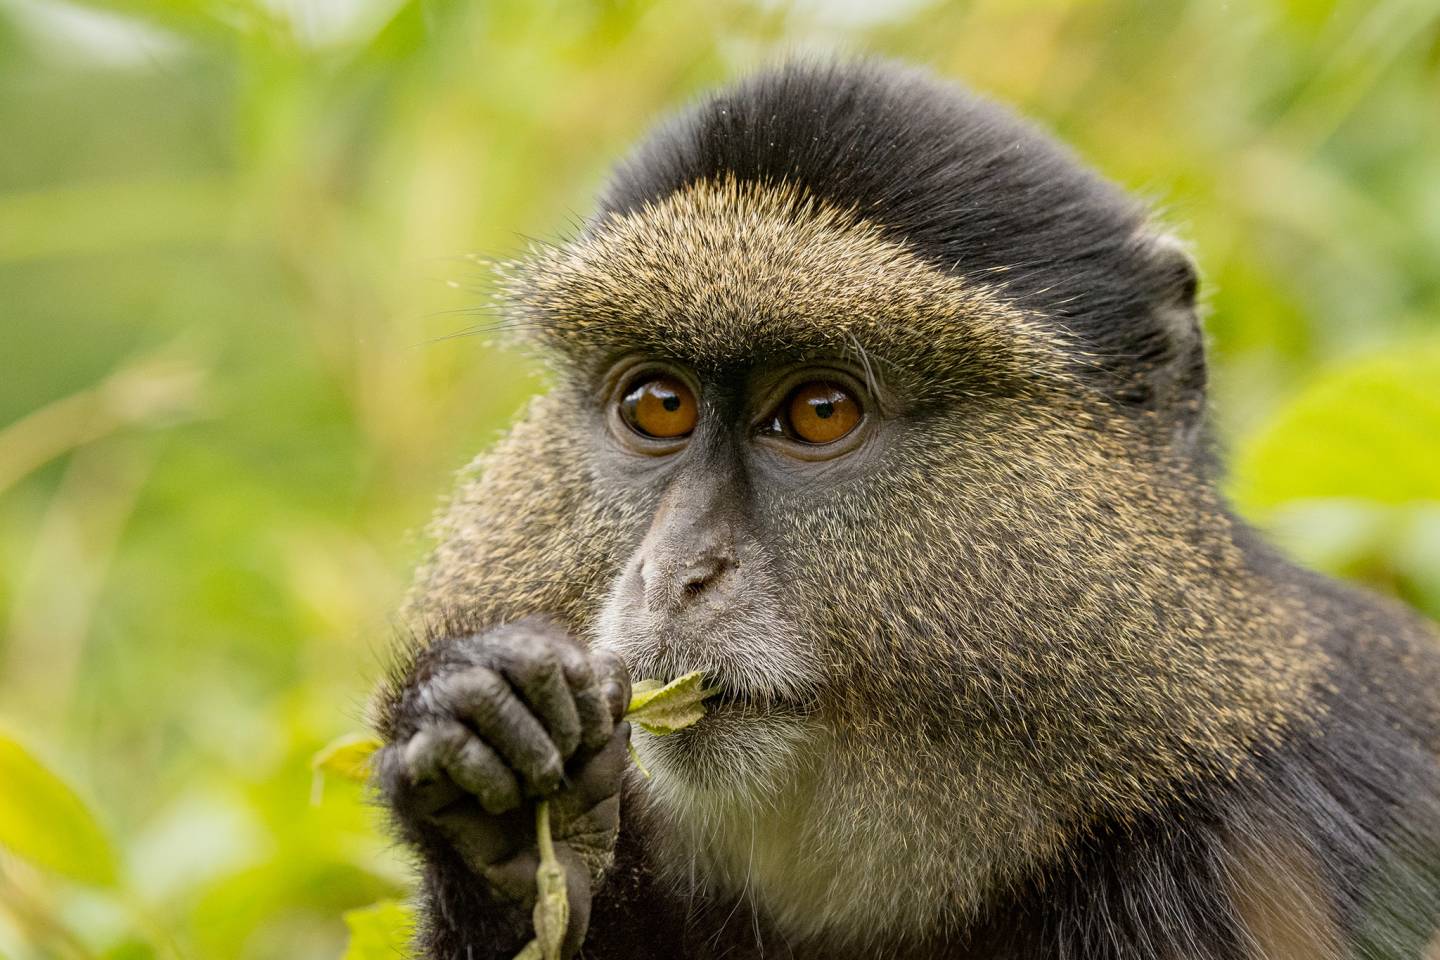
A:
(888, 417)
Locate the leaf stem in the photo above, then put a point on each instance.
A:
(542, 833)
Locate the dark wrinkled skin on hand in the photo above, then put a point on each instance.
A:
(499, 721)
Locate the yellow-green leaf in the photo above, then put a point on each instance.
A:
(347, 757)
(641, 687)
(381, 931)
(45, 823)
(1369, 430)
(663, 709)
(551, 915)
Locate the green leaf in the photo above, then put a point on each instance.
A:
(347, 757)
(381, 931)
(44, 822)
(671, 707)
(635, 759)
(1369, 430)
(552, 905)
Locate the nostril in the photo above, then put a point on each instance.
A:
(702, 576)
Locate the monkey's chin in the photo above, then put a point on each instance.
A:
(737, 751)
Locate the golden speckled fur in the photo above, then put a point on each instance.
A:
(1016, 683)
(945, 586)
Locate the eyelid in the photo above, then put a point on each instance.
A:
(792, 448)
(776, 394)
(624, 375)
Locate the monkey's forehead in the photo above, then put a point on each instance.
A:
(724, 272)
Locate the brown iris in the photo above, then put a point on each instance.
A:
(822, 412)
(660, 406)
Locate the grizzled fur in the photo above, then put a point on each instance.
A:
(1068, 706)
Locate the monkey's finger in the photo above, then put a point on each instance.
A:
(535, 670)
(590, 704)
(601, 775)
(614, 680)
(485, 700)
(416, 773)
(578, 672)
(392, 776)
(479, 771)
(594, 831)
(514, 878)
(596, 720)
(594, 779)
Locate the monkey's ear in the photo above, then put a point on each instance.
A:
(1170, 376)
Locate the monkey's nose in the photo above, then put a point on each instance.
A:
(670, 587)
(699, 576)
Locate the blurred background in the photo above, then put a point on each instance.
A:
(242, 243)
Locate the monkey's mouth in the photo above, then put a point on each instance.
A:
(732, 699)
(741, 744)
(729, 696)
(736, 704)
(736, 693)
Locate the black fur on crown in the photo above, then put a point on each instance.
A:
(968, 185)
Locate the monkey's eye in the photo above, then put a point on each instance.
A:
(820, 412)
(659, 406)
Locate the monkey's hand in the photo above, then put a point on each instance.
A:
(493, 723)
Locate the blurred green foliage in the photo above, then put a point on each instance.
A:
(241, 252)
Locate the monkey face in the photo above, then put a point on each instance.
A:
(732, 396)
(850, 486)
(759, 455)
(877, 409)
(702, 591)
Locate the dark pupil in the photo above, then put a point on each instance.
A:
(671, 403)
(824, 409)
